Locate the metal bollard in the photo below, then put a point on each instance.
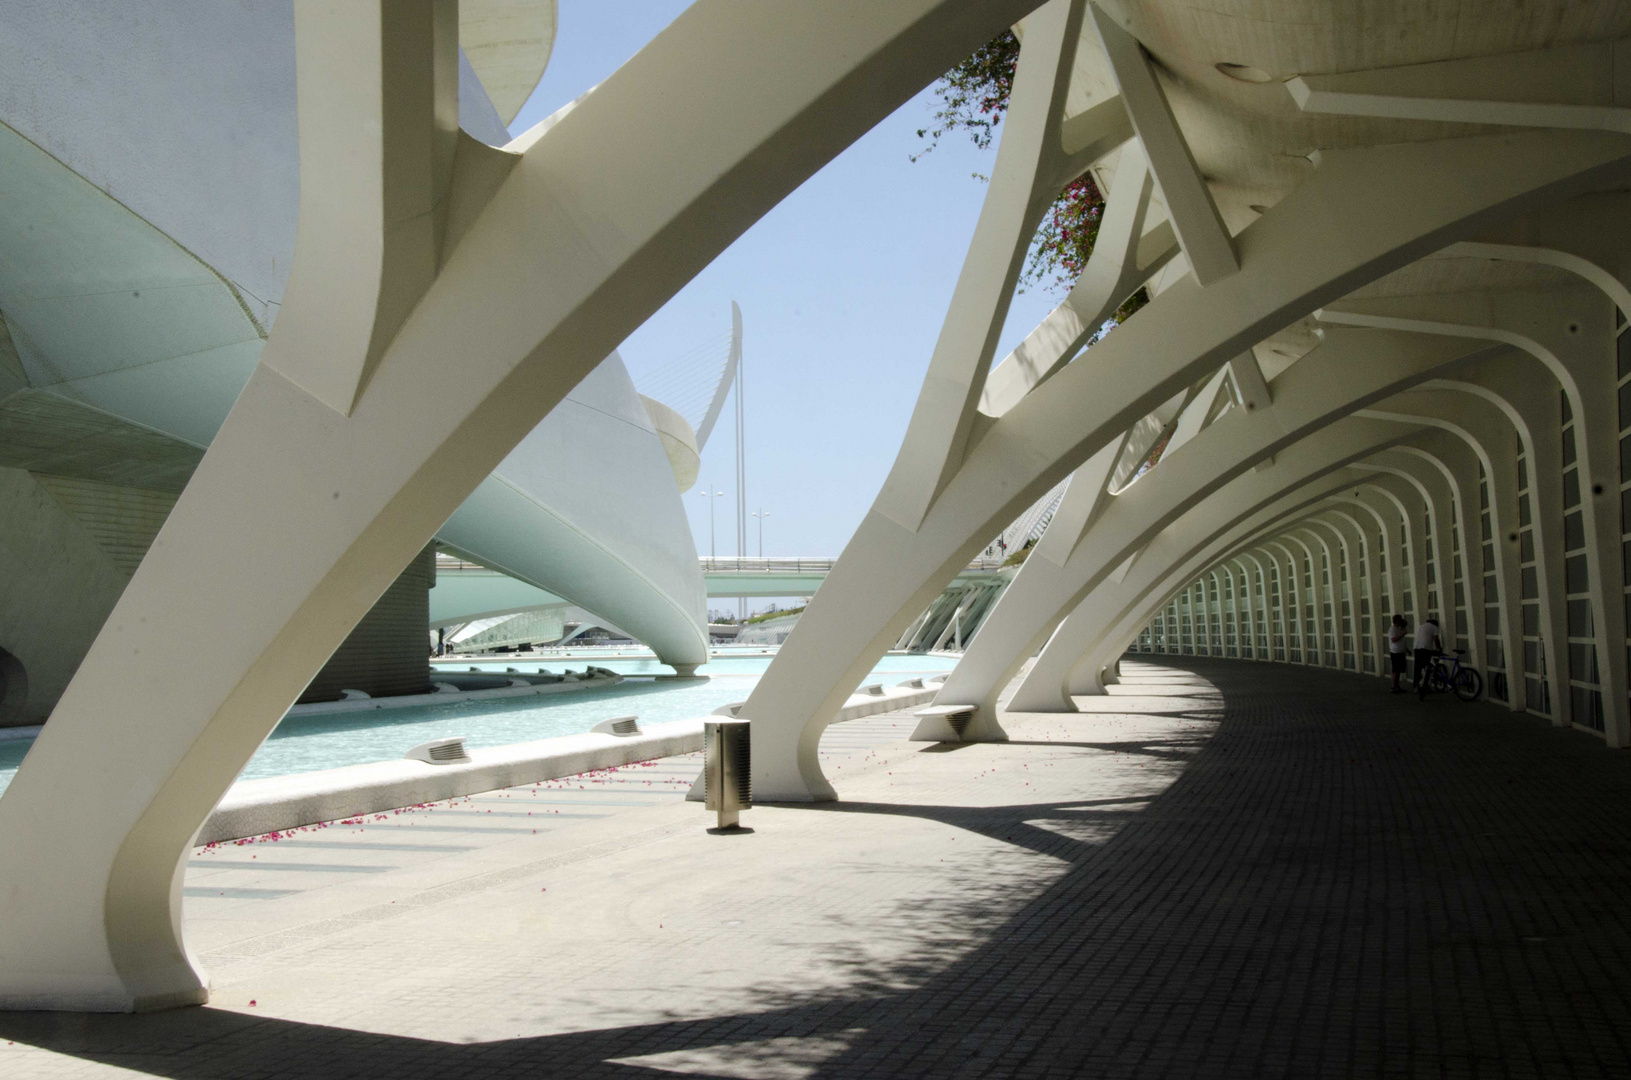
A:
(727, 769)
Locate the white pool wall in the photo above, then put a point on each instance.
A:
(255, 807)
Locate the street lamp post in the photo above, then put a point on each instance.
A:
(710, 496)
(761, 514)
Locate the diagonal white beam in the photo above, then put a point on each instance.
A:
(1567, 86)
(1250, 385)
(1193, 418)
(1206, 241)
(1124, 257)
(1023, 184)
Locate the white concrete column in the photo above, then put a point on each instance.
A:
(1291, 600)
(1213, 529)
(1262, 645)
(1158, 499)
(1059, 575)
(350, 446)
(1565, 330)
(1191, 544)
(1322, 565)
(1360, 215)
(1344, 574)
(1475, 415)
(1437, 491)
(1370, 639)
(1409, 511)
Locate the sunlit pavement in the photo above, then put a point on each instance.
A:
(1223, 869)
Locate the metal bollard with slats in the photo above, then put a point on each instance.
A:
(727, 769)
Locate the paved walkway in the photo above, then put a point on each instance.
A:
(1225, 869)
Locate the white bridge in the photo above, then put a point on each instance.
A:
(466, 593)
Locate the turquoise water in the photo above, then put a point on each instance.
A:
(306, 743)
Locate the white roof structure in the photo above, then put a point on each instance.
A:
(1395, 234)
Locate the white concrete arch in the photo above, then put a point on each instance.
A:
(1366, 369)
(1439, 494)
(1332, 447)
(1355, 593)
(1332, 582)
(348, 448)
(1267, 538)
(1098, 656)
(1459, 468)
(1496, 447)
(1471, 415)
(1486, 424)
(950, 490)
(1571, 331)
(1420, 481)
(1127, 605)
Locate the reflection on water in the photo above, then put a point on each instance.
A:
(306, 743)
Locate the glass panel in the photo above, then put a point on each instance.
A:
(1536, 696)
(1568, 446)
(1531, 619)
(1574, 531)
(1571, 488)
(1492, 650)
(1580, 618)
(1582, 662)
(1530, 588)
(1575, 578)
(1526, 546)
(1588, 707)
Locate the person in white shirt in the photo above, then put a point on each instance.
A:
(1398, 649)
(1428, 646)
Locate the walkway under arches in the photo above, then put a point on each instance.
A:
(1218, 869)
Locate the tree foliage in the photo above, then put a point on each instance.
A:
(974, 99)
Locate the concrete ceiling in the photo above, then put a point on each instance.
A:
(44, 433)
(1249, 139)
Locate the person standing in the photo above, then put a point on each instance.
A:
(1397, 635)
(1428, 645)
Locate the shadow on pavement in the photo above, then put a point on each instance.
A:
(1329, 887)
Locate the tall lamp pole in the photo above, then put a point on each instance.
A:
(761, 514)
(710, 496)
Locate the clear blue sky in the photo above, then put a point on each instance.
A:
(843, 288)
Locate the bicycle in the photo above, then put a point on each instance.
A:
(1447, 673)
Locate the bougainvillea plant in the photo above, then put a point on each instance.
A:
(974, 98)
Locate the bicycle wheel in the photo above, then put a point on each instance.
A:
(1437, 680)
(1468, 684)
